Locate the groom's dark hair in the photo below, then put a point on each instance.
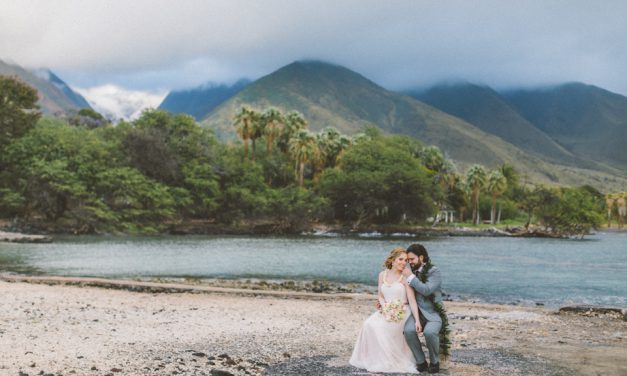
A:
(418, 250)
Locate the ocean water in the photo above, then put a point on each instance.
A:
(553, 272)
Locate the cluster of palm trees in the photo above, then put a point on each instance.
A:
(476, 180)
(290, 134)
(323, 150)
(494, 182)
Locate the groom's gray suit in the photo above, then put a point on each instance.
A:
(429, 318)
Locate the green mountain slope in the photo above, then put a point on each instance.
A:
(489, 111)
(330, 95)
(586, 120)
(55, 96)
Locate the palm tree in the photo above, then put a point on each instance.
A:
(442, 169)
(294, 121)
(475, 178)
(330, 146)
(497, 184)
(344, 142)
(303, 149)
(256, 130)
(243, 122)
(510, 173)
(432, 158)
(463, 187)
(273, 122)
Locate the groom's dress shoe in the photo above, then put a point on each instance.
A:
(422, 367)
(434, 368)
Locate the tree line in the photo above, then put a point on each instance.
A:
(83, 174)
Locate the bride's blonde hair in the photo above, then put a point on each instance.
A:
(393, 256)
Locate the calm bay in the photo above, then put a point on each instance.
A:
(553, 272)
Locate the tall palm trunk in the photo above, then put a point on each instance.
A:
(301, 176)
(296, 169)
(245, 148)
(254, 142)
(475, 207)
(269, 142)
(493, 211)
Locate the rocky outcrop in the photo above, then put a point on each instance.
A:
(592, 311)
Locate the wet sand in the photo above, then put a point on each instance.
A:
(62, 329)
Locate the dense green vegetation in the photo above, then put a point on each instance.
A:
(84, 175)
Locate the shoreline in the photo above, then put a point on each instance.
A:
(67, 329)
(43, 232)
(317, 289)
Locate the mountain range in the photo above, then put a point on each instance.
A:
(570, 134)
(511, 117)
(470, 123)
(584, 119)
(55, 96)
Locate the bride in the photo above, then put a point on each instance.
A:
(381, 346)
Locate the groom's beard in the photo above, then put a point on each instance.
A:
(414, 268)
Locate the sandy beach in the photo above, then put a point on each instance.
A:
(57, 329)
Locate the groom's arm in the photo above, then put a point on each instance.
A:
(426, 289)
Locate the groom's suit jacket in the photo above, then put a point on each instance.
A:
(423, 290)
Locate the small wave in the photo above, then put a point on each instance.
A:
(403, 235)
(373, 234)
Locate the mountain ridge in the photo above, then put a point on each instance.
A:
(488, 110)
(585, 119)
(201, 100)
(55, 96)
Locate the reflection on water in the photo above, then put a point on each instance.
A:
(503, 270)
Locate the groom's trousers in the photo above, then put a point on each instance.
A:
(431, 331)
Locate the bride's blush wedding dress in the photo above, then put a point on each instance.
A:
(381, 346)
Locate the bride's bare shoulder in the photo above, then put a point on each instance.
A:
(381, 275)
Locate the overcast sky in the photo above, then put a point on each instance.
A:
(161, 45)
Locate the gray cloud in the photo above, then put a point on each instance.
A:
(156, 45)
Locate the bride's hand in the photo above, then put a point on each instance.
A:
(418, 327)
(407, 271)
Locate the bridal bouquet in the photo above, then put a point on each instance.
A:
(393, 311)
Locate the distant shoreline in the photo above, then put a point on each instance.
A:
(42, 232)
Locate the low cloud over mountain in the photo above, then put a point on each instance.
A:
(118, 103)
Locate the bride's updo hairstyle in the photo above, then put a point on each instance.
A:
(393, 256)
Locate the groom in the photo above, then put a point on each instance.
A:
(431, 322)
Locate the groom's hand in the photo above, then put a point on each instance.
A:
(407, 271)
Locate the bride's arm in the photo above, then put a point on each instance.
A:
(380, 297)
(411, 297)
